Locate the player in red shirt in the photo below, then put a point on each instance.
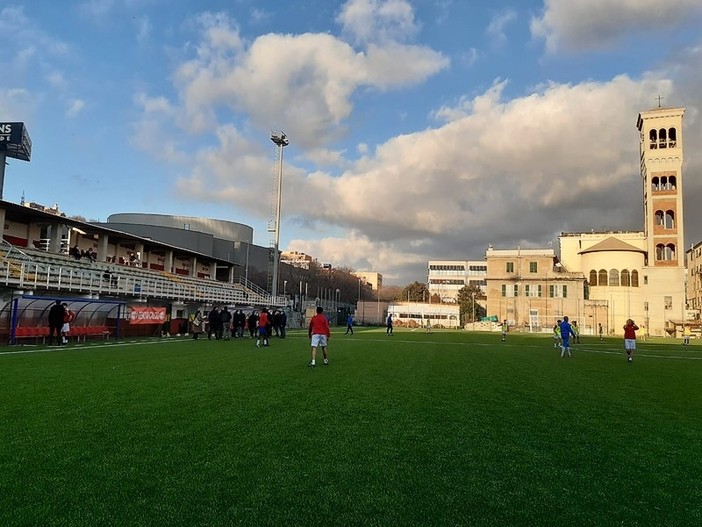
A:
(262, 330)
(630, 339)
(68, 317)
(318, 331)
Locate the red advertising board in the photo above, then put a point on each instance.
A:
(147, 315)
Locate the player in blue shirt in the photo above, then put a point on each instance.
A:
(566, 332)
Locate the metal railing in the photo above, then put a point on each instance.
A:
(57, 273)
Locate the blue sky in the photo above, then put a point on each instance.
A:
(419, 129)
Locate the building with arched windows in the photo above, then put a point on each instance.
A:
(606, 277)
(641, 275)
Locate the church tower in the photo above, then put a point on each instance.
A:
(661, 156)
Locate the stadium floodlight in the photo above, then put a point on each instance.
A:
(281, 141)
(279, 138)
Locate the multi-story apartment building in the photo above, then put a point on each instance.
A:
(375, 280)
(529, 288)
(694, 278)
(446, 278)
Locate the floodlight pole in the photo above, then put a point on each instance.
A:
(281, 141)
(3, 157)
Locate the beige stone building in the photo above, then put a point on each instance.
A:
(530, 288)
(694, 278)
(641, 275)
(607, 277)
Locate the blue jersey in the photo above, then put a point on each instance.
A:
(566, 330)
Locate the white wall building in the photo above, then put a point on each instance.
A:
(446, 277)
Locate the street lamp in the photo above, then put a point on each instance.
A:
(336, 304)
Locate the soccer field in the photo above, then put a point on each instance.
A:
(449, 428)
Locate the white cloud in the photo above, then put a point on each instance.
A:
(17, 104)
(357, 251)
(56, 79)
(301, 84)
(96, 8)
(597, 23)
(75, 106)
(520, 170)
(498, 24)
(325, 157)
(378, 21)
(469, 57)
(17, 28)
(143, 28)
(259, 15)
(507, 171)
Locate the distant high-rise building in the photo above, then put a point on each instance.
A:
(375, 280)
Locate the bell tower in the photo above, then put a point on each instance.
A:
(661, 157)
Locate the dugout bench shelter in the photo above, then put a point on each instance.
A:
(25, 318)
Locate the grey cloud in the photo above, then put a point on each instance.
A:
(597, 23)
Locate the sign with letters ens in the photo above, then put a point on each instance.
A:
(15, 141)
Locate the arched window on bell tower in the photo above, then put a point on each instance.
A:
(659, 251)
(662, 138)
(655, 183)
(653, 138)
(672, 138)
(670, 252)
(669, 219)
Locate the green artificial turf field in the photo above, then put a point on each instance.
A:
(448, 428)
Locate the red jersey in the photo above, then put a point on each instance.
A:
(319, 325)
(262, 320)
(629, 331)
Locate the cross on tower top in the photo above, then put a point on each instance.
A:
(660, 98)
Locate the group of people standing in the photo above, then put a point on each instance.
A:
(222, 324)
(563, 330)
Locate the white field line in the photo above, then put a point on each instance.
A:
(497, 344)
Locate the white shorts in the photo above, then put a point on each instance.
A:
(319, 340)
(66, 327)
(629, 344)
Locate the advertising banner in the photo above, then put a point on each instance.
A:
(15, 141)
(147, 315)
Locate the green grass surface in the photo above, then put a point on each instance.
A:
(450, 428)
